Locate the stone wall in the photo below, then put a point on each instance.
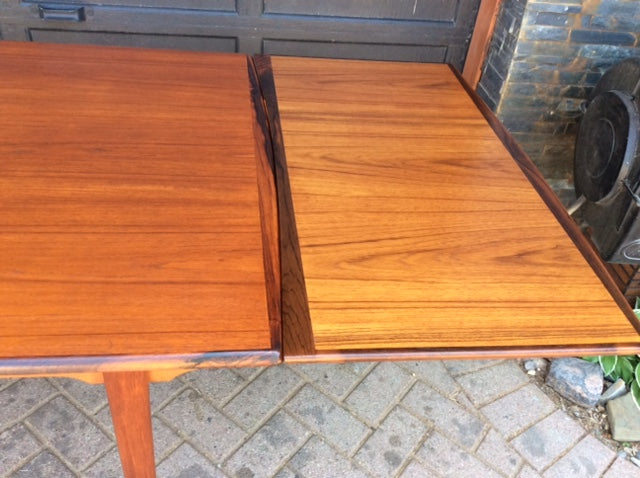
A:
(544, 59)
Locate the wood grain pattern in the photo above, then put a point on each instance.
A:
(131, 221)
(581, 241)
(128, 394)
(296, 321)
(416, 227)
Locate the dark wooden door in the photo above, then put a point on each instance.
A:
(409, 30)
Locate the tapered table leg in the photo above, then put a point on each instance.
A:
(128, 394)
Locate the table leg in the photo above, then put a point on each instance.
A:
(128, 394)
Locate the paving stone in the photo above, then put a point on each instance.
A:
(448, 417)
(91, 397)
(622, 468)
(44, 465)
(107, 466)
(374, 396)
(203, 424)
(186, 462)
(487, 384)
(328, 418)
(219, 385)
(249, 373)
(517, 411)
(262, 396)
(336, 380)
(576, 380)
(497, 452)
(547, 440)
(161, 392)
(16, 444)
(384, 452)
(624, 419)
(528, 472)
(164, 438)
(434, 374)
(287, 473)
(266, 451)
(23, 396)
(449, 460)
(316, 459)
(416, 469)
(69, 431)
(460, 367)
(588, 459)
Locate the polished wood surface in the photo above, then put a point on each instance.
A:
(416, 227)
(128, 394)
(132, 203)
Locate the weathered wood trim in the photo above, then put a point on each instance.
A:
(296, 319)
(553, 203)
(480, 41)
(66, 366)
(268, 199)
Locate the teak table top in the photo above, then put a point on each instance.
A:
(134, 205)
(416, 228)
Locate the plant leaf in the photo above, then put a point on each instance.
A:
(608, 364)
(637, 374)
(635, 393)
(591, 359)
(625, 369)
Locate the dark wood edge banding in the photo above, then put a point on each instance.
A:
(268, 203)
(553, 203)
(463, 353)
(296, 319)
(130, 363)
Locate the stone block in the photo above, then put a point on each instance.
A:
(588, 459)
(552, 19)
(599, 37)
(544, 33)
(385, 451)
(202, 424)
(70, 432)
(186, 462)
(485, 385)
(316, 459)
(496, 451)
(268, 449)
(514, 413)
(262, 396)
(16, 444)
(44, 465)
(554, 6)
(447, 416)
(328, 418)
(548, 439)
(624, 419)
(576, 380)
(446, 458)
(380, 389)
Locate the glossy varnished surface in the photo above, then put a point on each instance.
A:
(130, 210)
(416, 228)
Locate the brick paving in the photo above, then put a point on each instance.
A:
(406, 419)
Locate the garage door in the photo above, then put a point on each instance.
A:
(409, 30)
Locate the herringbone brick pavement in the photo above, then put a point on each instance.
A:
(406, 419)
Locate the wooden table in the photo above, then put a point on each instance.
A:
(413, 226)
(142, 234)
(138, 222)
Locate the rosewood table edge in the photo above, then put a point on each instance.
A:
(48, 366)
(463, 353)
(268, 204)
(538, 182)
(297, 335)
